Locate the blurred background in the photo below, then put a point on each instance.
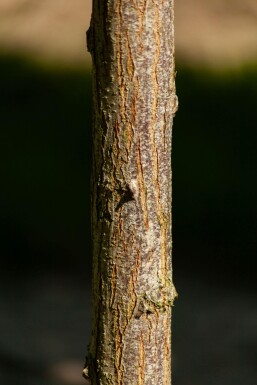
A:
(45, 152)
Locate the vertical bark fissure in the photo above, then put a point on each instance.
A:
(132, 47)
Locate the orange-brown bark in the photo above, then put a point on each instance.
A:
(132, 47)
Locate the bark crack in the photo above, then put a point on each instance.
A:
(142, 188)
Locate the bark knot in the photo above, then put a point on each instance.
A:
(126, 195)
(158, 299)
(174, 105)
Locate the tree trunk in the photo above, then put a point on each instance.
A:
(132, 47)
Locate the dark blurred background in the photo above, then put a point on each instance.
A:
(45, 152)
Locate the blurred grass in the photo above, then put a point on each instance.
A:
(46, 161)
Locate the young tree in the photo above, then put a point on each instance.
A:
(132, 47)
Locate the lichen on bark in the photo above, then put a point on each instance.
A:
(132, 48)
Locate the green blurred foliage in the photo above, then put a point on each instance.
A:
(46, 162)
(214, 168)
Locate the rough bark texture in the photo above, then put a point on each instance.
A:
(132, 47)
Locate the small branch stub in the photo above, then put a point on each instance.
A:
(89, 38)
(85, 374)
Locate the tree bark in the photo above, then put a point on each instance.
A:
(132, 48)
